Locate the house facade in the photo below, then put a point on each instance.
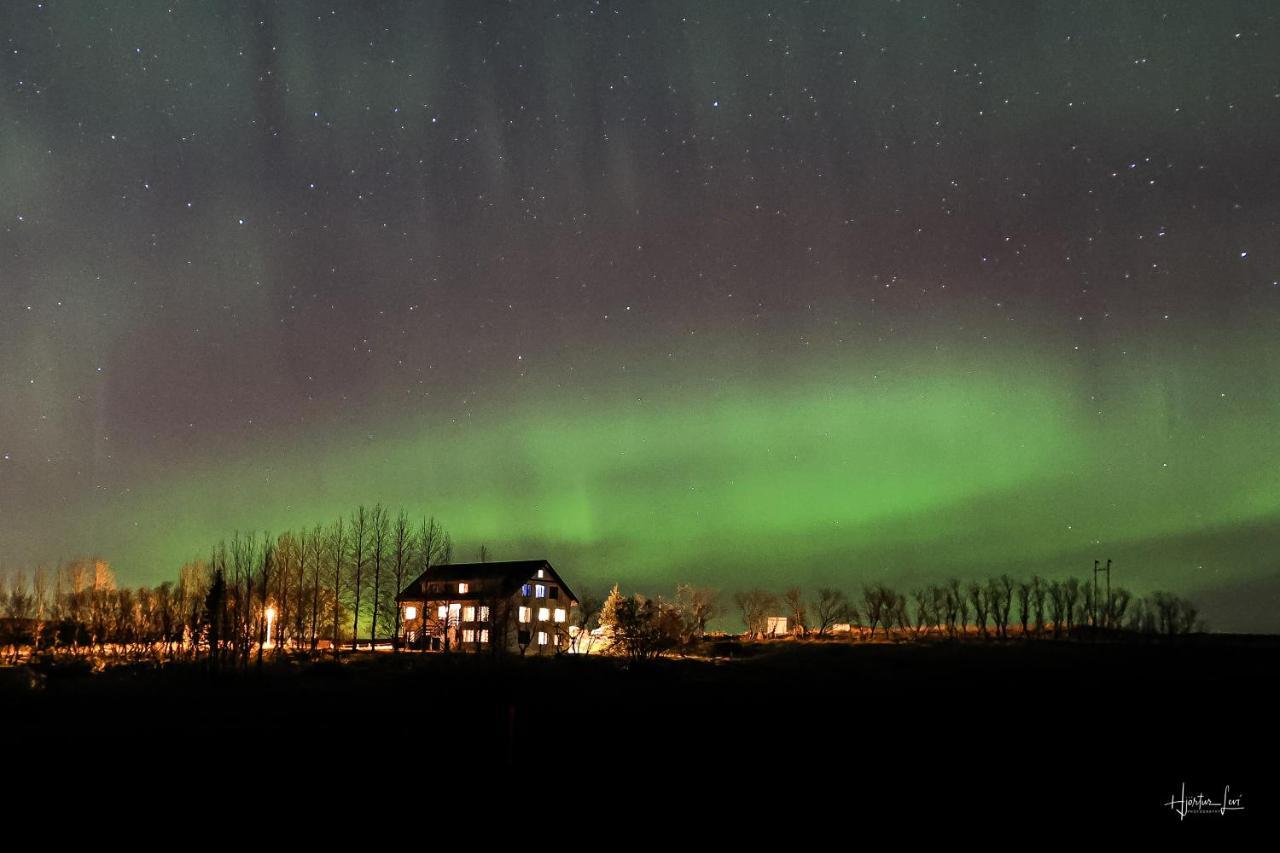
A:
(521, 606)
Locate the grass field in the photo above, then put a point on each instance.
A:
(1027, 726)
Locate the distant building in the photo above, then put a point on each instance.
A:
(520, 606)
(776, 626)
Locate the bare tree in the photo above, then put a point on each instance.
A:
(1024, 606)
(957, 608)
(697, 606)
(337, 547)
(924, 610)
(1117, 606)
(1173, 615)
(981, 605)
(1057, 606)
(873, 607)
(830, 607)
(1070, 597)
(380, 531)
(316, 542)
(755, 606)
(359, 549)
(793, 600)
(1000, 598)
(402, 554)
(268, 565)
(582, 620)
(1038, 590)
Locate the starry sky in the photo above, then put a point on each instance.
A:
(732, 293)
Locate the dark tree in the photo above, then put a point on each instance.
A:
(755, 606)
(359, 552)
(830, 607)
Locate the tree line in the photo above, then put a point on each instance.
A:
(325, 585)
(1002, 607)
(329, 586)
(1032, 607)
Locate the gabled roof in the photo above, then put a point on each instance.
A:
(504, 578)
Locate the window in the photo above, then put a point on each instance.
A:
(542, 573)
(455, 610)
(542, 638)
(464, 587)
(544, 614)
(555, 639)
(526, 590)
(540, 590)
(469, 613)
(442, 611)
(468, 636)
(526, 614)
(559, 614)
(484, 635)
(484, 614)
(553, 592)
(411, 612)
(522, 637)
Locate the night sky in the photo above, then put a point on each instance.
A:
(734, 293)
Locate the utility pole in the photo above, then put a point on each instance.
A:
(1096, 569)
(1094, 600)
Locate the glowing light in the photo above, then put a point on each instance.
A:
(271, 619)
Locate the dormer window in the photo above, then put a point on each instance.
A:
(463, 587)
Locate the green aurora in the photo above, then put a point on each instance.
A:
(951, 464)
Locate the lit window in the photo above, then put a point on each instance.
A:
(442, 611)
(540, 591)
(544, 614)
(484, 635)
(526, 614)
(559, 614)
(555, 639)
(542, 638)
(542, 573)
(455, 610)
(484, 614)
(463, 587)
(526, 590)
(411, 612)
(469, 613)
(468, 636)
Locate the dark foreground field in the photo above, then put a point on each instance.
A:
(1063, 735)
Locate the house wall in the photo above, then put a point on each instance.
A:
(504, 624)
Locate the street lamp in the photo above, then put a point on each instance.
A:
(271, 618)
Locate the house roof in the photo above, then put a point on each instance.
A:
(502, 578)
